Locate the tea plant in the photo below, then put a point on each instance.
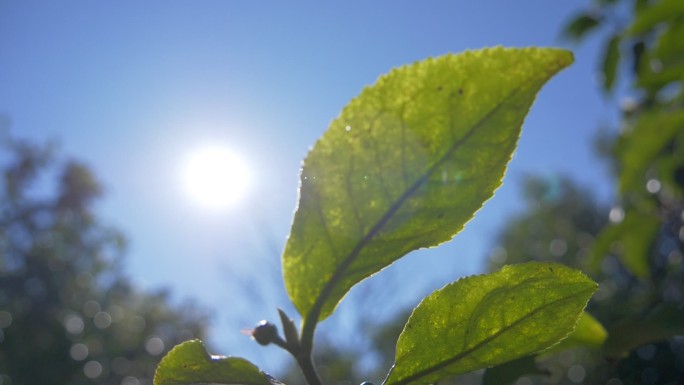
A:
(406, 164)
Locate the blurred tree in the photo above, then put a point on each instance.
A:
(635, 248)
(67, 313)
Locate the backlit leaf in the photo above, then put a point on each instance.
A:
(486, 320)
(189, 363)
(588, 333)
(405, 165)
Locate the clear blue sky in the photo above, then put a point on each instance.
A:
(130, 86)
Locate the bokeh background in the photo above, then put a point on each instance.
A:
(102, 103)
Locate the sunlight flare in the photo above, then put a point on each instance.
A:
(215, 177)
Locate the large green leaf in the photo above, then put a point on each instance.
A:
(487, 320)
(405, 165)
(189, 363)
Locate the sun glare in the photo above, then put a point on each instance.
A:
(215, 177)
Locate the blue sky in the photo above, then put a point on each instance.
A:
(130, 87)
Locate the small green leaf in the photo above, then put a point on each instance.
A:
(406, 165)
(486, 320)
(189, 363)
(580, 26)
(610, 62)
(289, 329)
(588, 333)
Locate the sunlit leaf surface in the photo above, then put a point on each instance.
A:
(589, 333)
(406, 164)
(485, 320)
(189, 363)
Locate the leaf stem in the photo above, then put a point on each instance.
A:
(308, 368)
(301, 351)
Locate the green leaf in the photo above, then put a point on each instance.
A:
(588, 333)
(610, 62)
(580, 26)
(645, 148)
(670, 46)
(664, 322)
(189, 363)
(405, 165)
(487, 320)
(651, 16)
(631, 240)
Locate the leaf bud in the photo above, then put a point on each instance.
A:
(265, 333)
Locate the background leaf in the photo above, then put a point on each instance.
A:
(662, 323)
(580, 26)
(406, 165)
(189, 363)
(631, 240)
(611, 59)
(487, 320)
(652, 15)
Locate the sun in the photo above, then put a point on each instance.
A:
(215, 177)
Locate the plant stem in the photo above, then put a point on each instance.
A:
(306, 364)
(302, 351)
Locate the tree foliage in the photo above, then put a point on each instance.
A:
(633, 249)
(68, 315)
